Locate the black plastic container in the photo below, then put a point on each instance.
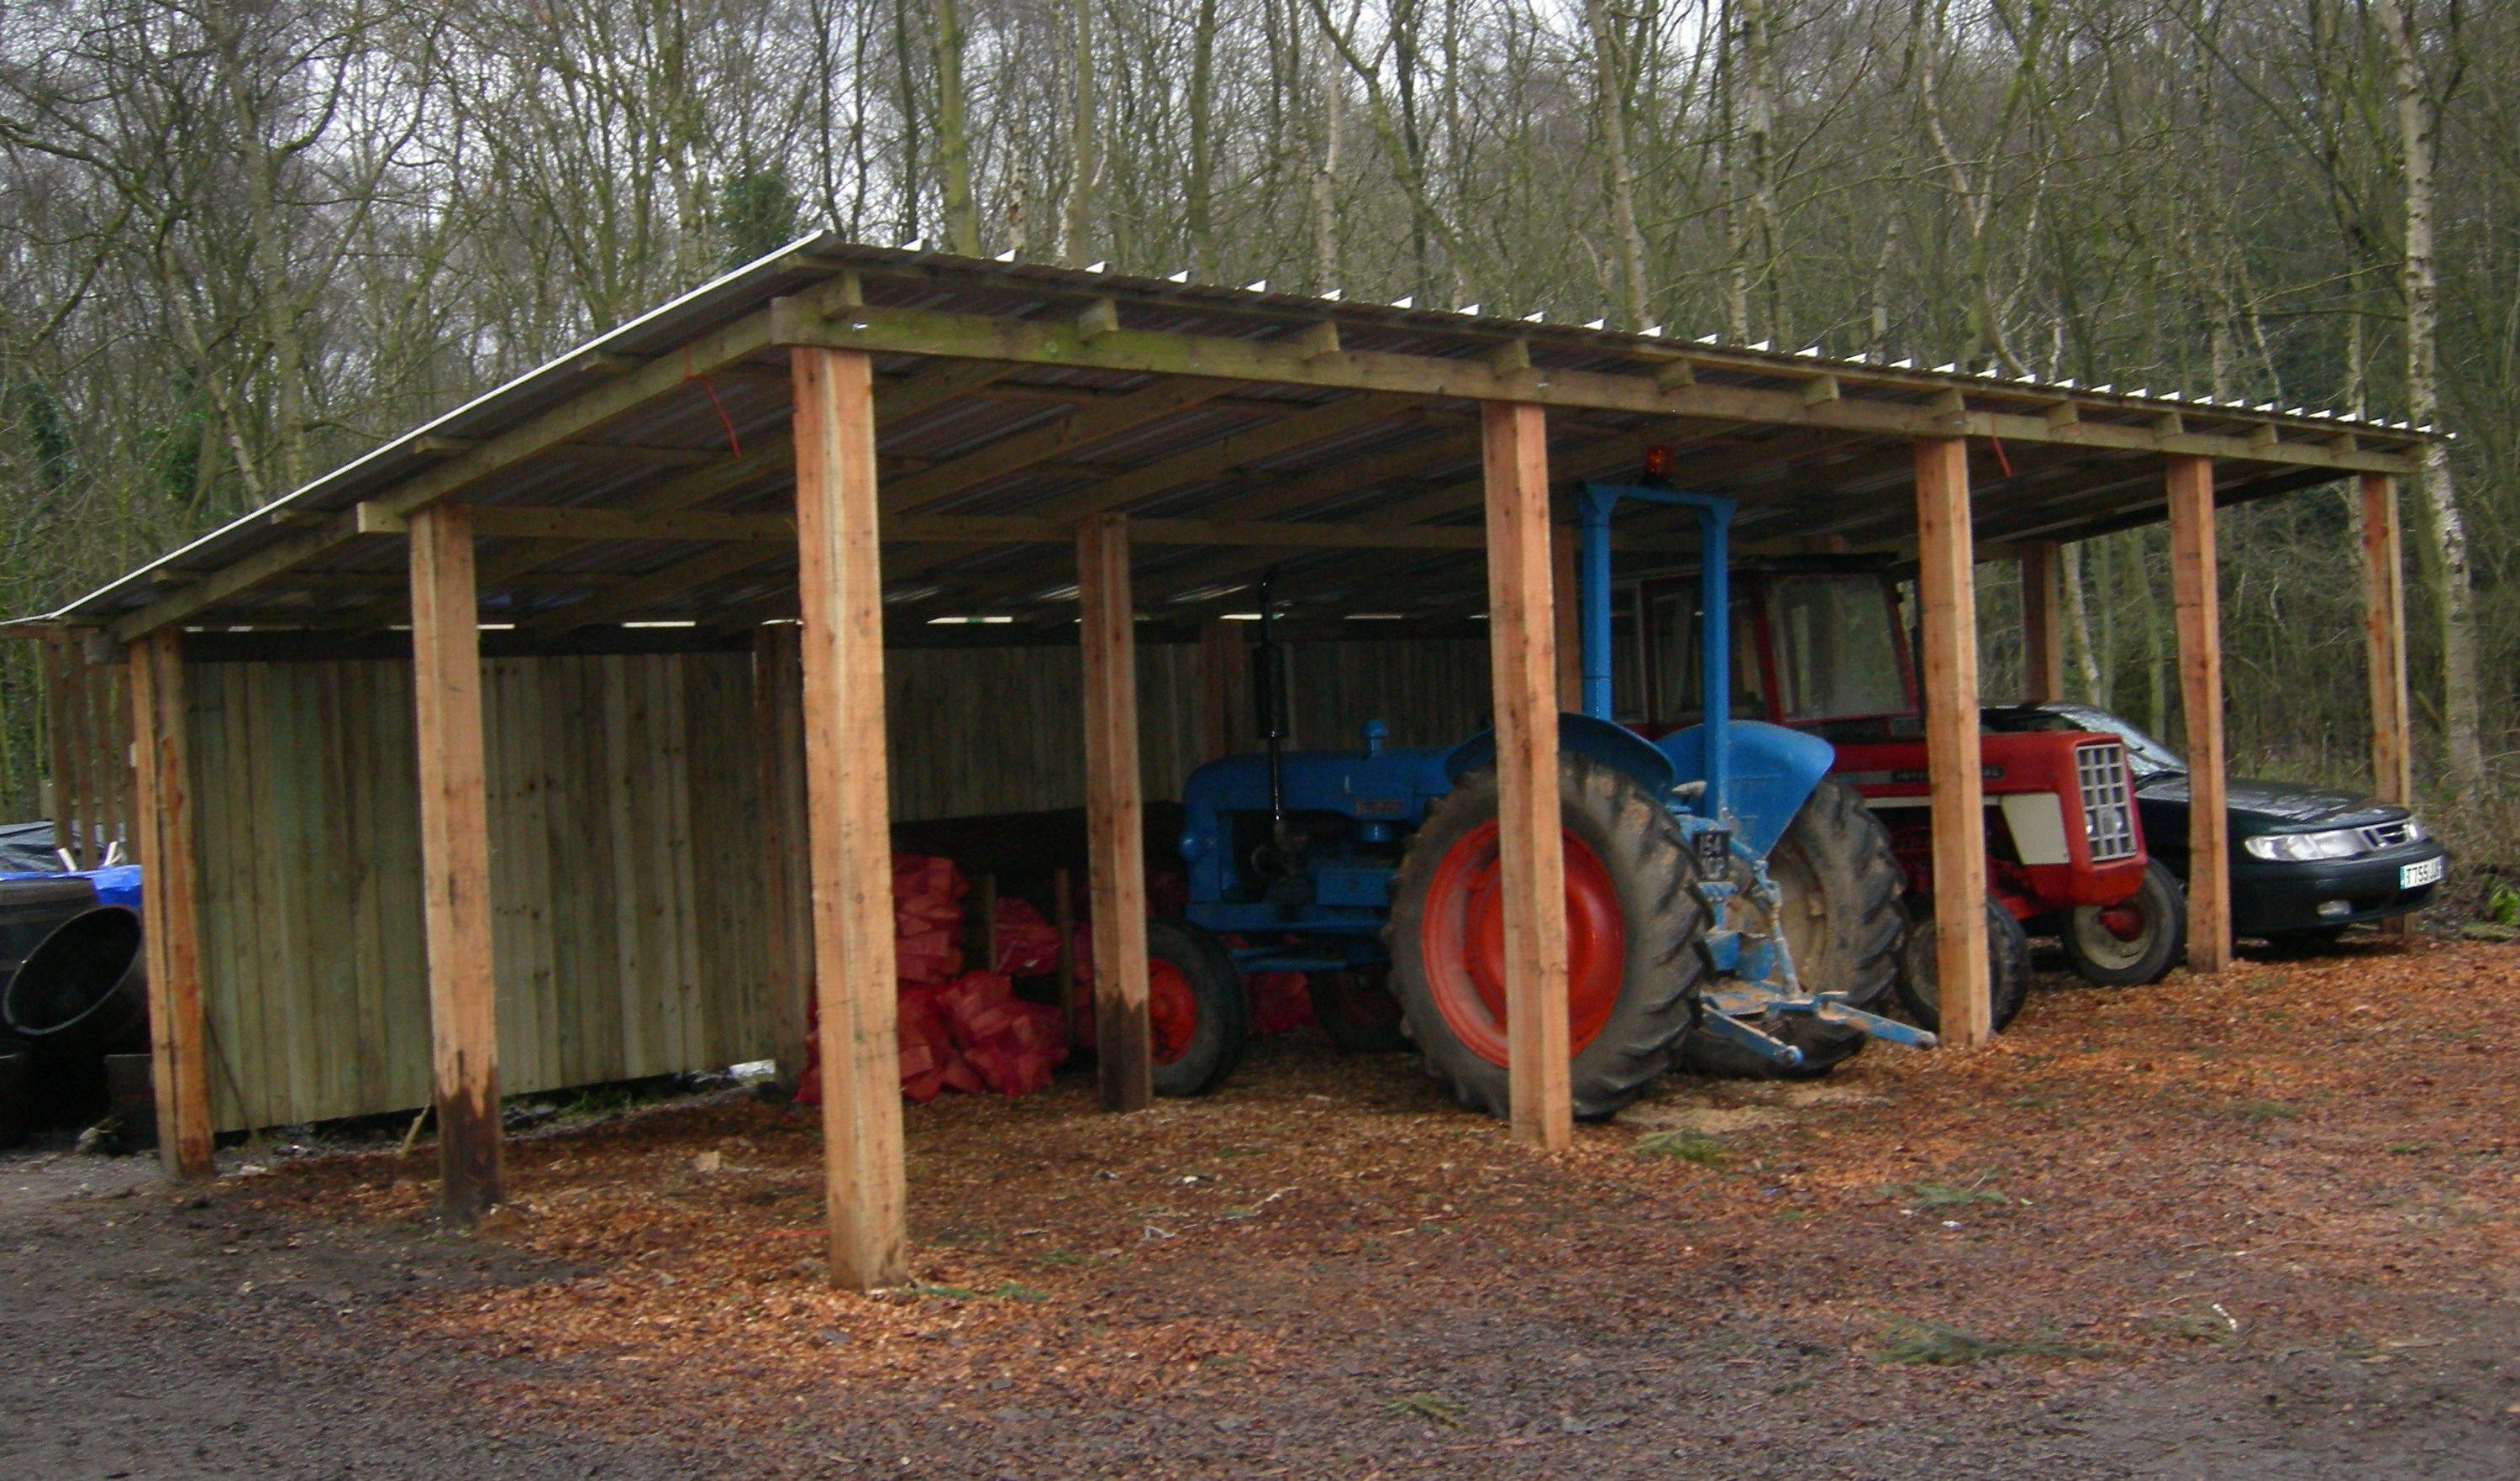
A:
(32, 910)
(84, 991)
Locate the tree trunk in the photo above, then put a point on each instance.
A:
(953, 137)
(1325, 239)
(1084, 150)
(1198, 210)
(2445, 566)
(1610, 92)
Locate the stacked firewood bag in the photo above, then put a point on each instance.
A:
(962, 1030)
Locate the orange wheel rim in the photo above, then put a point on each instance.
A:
(1461, 940)
(1172, 1012)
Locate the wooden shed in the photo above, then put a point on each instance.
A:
(559, 739)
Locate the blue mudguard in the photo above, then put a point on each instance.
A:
(1615, 746)
(1774, 771)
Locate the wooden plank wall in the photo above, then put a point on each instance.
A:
(625, 879)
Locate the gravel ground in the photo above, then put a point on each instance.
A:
(2258, 1227)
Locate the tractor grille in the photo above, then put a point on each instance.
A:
(2108, 806)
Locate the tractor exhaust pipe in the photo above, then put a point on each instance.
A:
(1268, 706)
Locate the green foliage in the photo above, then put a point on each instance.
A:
(1687, 1145)
(41, 423)
(2503, 904)
(1436, 1409)
(757, 212)
(1908, 1339)
(1927, 1197)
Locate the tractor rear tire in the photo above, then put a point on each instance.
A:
(1838, 885)
(1635, 924)
(2007, 951)
(2100, 957)
(1194, 979)
(1357, 1011)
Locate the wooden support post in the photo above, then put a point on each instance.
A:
(1221, 657)
(2384, 647)
(455, 860)
(1570, 617)
(786, 879)
(2043, 637)
(1115, 815)
(2196, 592)
(849, 816)
(1522, 642)
(1947, 590)
(170, 905)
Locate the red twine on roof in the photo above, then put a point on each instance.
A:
(723, 419)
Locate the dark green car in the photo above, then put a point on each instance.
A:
(2306, 862)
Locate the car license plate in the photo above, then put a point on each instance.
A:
(2424, 872)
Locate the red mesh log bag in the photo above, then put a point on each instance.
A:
(1011, 1045)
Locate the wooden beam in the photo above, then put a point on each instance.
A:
(1114, 814)
(1947, 592)
(848, 816)
(2196, 592)
(537, 434)
(1522, 626)
(702, 526)
(2384, 645)
(1049, 341)
(677, 580)
(2043, 637)
(455, 861)
(787, 875)
(170, 905)
(1081, 428)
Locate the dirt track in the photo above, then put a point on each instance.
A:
(2258, 1228)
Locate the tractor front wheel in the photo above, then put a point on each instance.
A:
(2134, 942)
(2007, 951)
(1633, 925)
(1198, 1014)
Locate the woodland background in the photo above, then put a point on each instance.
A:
(241, 239)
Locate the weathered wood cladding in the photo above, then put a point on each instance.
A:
(624, 795)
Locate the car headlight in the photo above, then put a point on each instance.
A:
(2415, 830)
(2296, 848)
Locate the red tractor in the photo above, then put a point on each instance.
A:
(1821, 645)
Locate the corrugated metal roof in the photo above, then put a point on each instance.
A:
(717, 442)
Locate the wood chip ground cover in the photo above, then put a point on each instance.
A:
(2266, 1193)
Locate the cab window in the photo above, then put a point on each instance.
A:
(1672, 619)
(1836, 645)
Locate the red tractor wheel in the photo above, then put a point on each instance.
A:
(1198, 1014)
(2134, 942)
(1633, 927)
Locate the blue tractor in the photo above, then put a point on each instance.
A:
(1730, 905)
